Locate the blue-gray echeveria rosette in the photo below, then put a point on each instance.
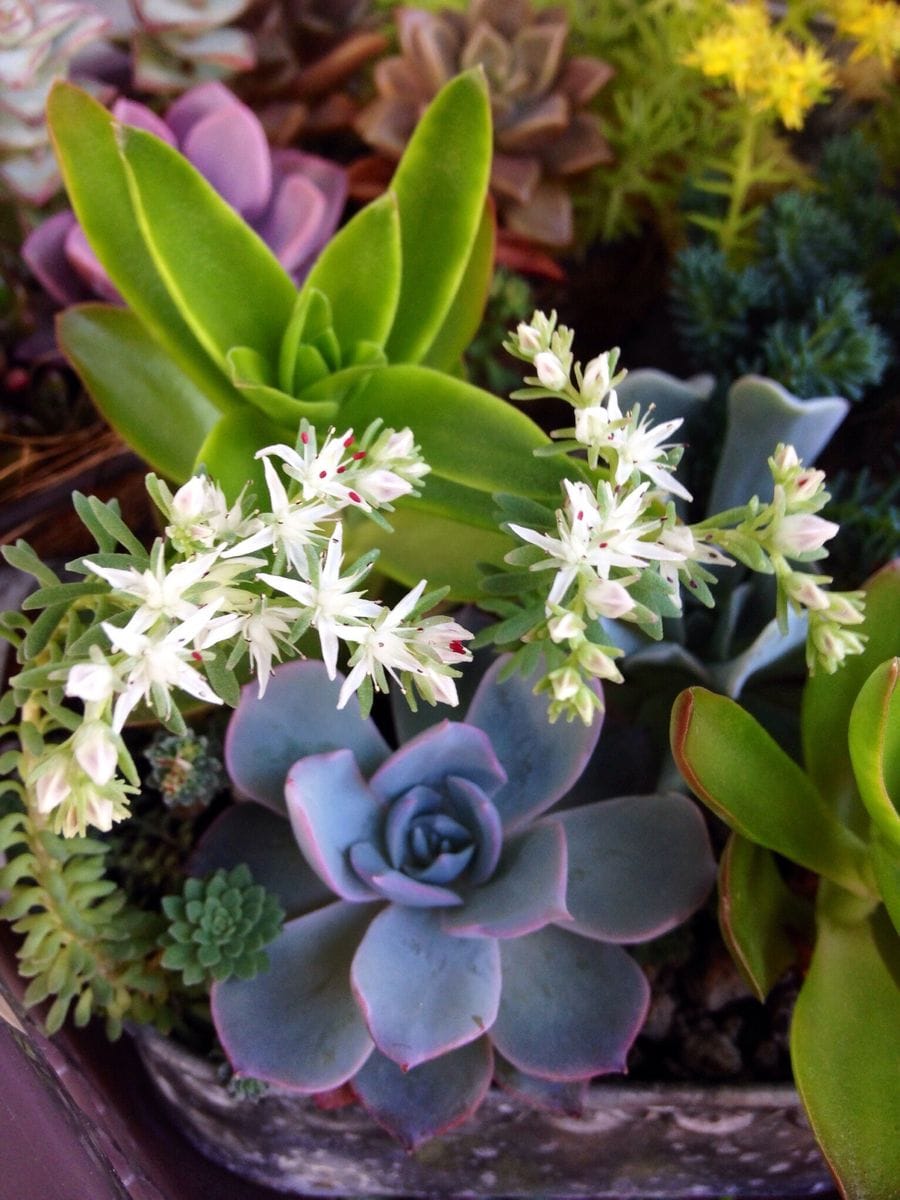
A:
(443, 930)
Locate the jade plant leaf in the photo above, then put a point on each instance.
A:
(360, 273)
(441, 186)
(741, 773)
(145, 397)
(829, 699)
(762, 920)
(845, 1047)
(86, 139)
(224, 280)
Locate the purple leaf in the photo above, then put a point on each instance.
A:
(331, 808)
(297, 716)
(228, 146)
(292, 220)
(527, 891)
(571, 1007)
(297, 1023)
(430, 1099)
(637, 866)
(424, 993)
(448, 749)
(129, 112)
(373, 869)
(542, 761)
(567, 1099)
(253, 834)
(44, 250)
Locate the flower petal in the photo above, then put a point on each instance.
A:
(526, 892)
(297, 1023)
(252, 834)
(638, 865)
(450, 748)
(541, 761)
(331, 808)
(424, 993)
(419, 1104)
(296, 717)
(571, 1007)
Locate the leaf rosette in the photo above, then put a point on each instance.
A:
(443, 925)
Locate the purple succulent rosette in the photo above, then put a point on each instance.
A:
(293, 200)
(443, 930)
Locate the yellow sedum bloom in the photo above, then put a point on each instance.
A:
(874, 25)
(763, 65)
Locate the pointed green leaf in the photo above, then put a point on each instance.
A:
(141, 392)
(227, 284)
(462, 321)
(845, 1050)
(228, 452)
(249, 375)
(359, 272)
(440, 185)
(466, 434)
(441, 550)
(828, 699)
(744, 776)
(86, 139)
(875, 749)
(761, 919)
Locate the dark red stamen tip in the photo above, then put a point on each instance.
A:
(341, 470)
(304, 438)
(348, 441)
(196, 656)
(359, 454)
(457, 648)
(355, 498)
(323, 474)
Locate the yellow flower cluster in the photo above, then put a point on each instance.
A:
(873, 24)
(763, 65)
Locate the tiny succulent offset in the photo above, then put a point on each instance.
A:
(445, 920)
(292, 200)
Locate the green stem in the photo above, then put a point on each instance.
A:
(741, 182)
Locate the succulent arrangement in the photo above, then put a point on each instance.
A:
(399, 878)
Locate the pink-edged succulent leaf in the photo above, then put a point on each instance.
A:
(296, 717)
(566, 1099)
(229, 148)
(423, 992)
(331, 808)
(252, 834)
(388, 883)
(571, 1007)
(541, 761)
(297, 1024)
(526, 891)
(431, 1098)
(448, 749)
(638, 865)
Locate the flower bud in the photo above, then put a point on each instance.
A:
(93, 681)
(592, 425)
(846, 610)
(550, 371)
(596, 378)
(606, 598)
(96, 751)
(565, 627)
(598, 663)
(800, 533)
(565, 683)
(803, 590)
(528, 337)
(190, 499)
(52, 787)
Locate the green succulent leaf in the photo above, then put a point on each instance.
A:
(227, 453)
(466, 435)
(228, 286)
(137, 387)
(741, 773)
(440, 185)
(845, 1047)
(464, 318)
(761, 919)
(829, 699)
(249, 375)
(360, 272)
(86, 139)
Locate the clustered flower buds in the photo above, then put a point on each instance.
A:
(619, 551)
(234, 581)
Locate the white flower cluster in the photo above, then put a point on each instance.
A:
(227, 582)
(621, 553)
